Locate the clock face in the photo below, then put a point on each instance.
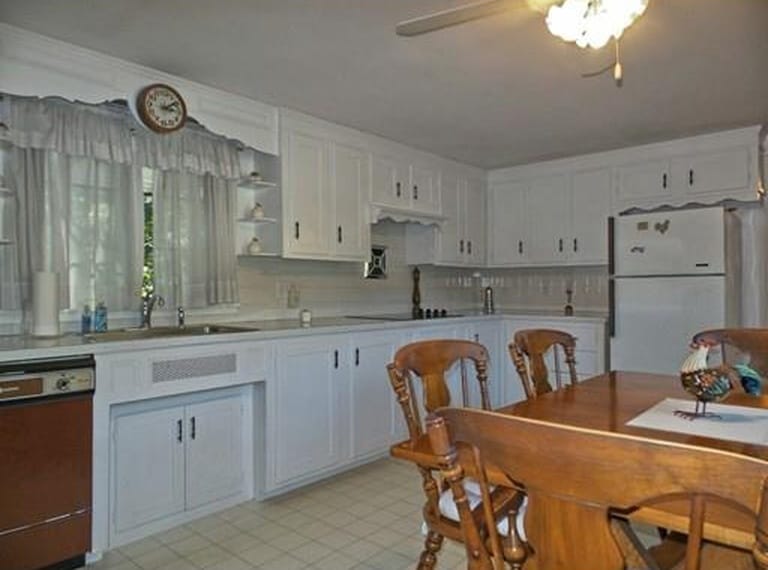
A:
(161, 108)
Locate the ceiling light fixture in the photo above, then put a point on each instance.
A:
(592, 23)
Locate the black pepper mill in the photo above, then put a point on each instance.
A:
(416, 297)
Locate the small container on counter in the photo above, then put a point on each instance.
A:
(86, 320)
(305, 317)
(100, 317)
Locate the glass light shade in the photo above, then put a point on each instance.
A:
(593, 22)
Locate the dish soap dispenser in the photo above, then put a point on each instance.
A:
(100, 317)
(86, 320)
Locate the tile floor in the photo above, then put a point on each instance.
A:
(369, 518)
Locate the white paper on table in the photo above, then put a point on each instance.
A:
(736, 423)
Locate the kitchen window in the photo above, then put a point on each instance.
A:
(117, 213)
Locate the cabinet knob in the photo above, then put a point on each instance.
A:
(415, 191)
(398, 189)
(338, 235)
(690, 177)
(193, 427)
(335, 358)
(461, 246)
(357, 357)
(560, 245)
(664, 180)
(296, 230)
(520, 247)
(469, 247)
(575, 244)
(179, 431)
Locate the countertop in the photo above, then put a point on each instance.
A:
(19, 347)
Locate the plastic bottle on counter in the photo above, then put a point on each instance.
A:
(86, 320)
(100, 317)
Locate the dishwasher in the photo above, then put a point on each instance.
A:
(46, 423)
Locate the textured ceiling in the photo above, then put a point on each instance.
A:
(495, 92)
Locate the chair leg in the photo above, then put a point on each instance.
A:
(432, 546)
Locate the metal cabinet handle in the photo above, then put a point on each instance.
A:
(520, 247)
(398, 189)
(560, 245)
(296, 230)
(575, 244)
(469, 247)
(338, 234)
(357, 357)
(461, 246)
(690, 177)
(179, 431)
(335, 358)
(193, 427)
(664, 180)
(415, 191)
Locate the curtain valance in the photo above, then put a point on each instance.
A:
(109, 132)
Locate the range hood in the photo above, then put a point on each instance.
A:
(381, 212)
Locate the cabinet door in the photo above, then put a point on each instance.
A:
(214, 450)
(389, 181)
(721, 171)
(350, 183)
(650, 179)
(375, 418)
(508, 224)
(489, 335)
(306, 406)
(549, 207)
(474, 222)
(147, 467)
(451, 243)
(590, 197)
(305, 194)
(423, 190)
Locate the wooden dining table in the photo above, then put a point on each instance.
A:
(606, 403)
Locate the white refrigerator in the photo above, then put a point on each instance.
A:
(673, 274)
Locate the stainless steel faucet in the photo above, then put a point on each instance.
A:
(180, 317)
(148, 303)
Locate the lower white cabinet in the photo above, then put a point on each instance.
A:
(172, 455)
(331, 404)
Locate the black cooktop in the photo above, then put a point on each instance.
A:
(423, 314)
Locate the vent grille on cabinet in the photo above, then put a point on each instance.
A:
(167, 370)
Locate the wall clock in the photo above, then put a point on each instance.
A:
(161, 108)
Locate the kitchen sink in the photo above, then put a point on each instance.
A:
(160, 332)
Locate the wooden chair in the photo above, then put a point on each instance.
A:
(577, 478)
(749, 344)
(528, 349)
(429, 362)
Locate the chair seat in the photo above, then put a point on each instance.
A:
(474, 495)
(719, 557)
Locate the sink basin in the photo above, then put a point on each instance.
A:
(160, 332)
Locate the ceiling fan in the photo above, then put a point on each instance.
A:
(588, 23)
(466, 13)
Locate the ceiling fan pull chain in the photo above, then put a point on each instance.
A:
(618, 70)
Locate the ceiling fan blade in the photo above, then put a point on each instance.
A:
(453, 17)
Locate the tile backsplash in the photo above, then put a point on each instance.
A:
(268, 286)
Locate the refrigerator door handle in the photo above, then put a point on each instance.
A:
(611, 307)
(611, 245)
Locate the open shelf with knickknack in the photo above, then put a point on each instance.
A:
(259, 206)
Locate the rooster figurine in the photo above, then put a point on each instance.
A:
(705, 384)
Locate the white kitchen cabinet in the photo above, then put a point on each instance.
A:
(508, 224)
(590, 209)
(349, 182)
(549, 209)
(489, 335)
(460, 240)
(474, 221)
(325, 189)
(376, 421)
(649, 179)
(305, 407)
(172, 455)
(403, 182)
(305, 193)
(717, 172)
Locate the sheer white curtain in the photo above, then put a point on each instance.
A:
(79, 217)
(194, 237)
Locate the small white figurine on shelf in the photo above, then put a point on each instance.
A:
(258, 212)
(254, 247)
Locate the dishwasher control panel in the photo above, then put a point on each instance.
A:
(46, 383)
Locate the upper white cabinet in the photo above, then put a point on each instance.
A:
(460, 238)
(705, 169)
(404, 181)
(325, 188)
(551, 219)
